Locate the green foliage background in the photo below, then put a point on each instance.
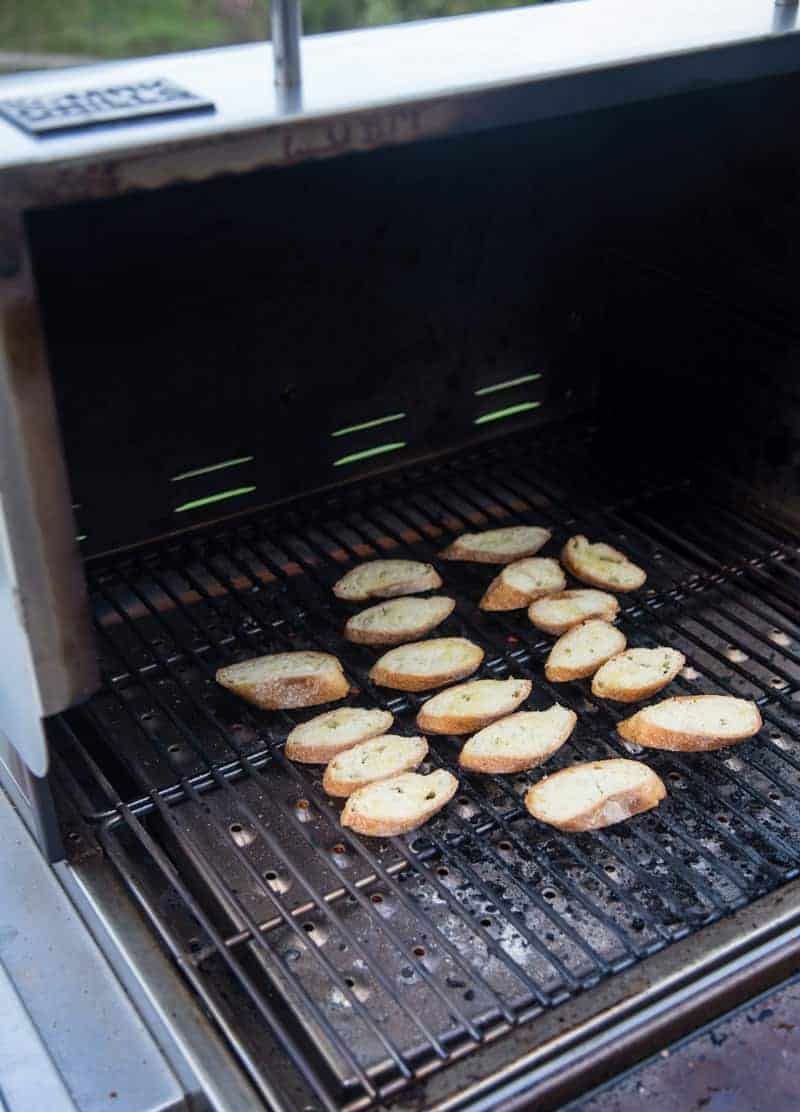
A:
(125, 28)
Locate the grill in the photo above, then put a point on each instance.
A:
(344, 970)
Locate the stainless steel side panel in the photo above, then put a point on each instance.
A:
(45, 642)
(99, 1051)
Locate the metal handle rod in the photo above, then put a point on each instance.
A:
(287, 31)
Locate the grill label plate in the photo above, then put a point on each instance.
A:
(48, 115)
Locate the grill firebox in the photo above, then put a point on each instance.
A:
(345, 969)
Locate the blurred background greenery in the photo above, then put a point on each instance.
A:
(126, 28)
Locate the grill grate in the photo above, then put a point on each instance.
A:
(370, 963)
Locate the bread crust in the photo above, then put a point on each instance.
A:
(364, 582)
(606, 613)
(411, 752)
(604, 687)
(384, 671)
(652, 735)
(378, 636)
(577, 567)
(446, 786)
(503, 595)
(500, 764)
(276, 692)
(560, 671)
(324, 750)
(432, 721)
(469, 546)
(613, 807)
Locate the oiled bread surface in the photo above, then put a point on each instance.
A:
(423, 665)
(386, 579)
(596, 794)
(581, 650)
(498, 546)
(520, 741)
(637, 674)
(600, 565)
(398, 620)
(518, 584)
(320, 739)
(693, 722)
(373, 760)
(281, 681)
(559, 612)
(399, 805)
(469, 706)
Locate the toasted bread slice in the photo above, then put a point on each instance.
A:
(471, 706)
(518, 584)
(320, 739)
(386, 579)
(398, 620)
(398, 805)
(600, 565)
(282, 681)
(593, 795)
(693, 723)
(377, 759)
(523, 740)
(581, 650)
(560, 612)
(423, 665)
(637, 674)
(497, 546)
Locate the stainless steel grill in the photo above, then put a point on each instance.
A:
(344, 969)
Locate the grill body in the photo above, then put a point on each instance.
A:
(566, 303)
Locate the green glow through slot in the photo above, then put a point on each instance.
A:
(369, 424)
(210, 468)
(507, 385)
(221, 497)
(368, 452)
(509, 411)
(81, 537)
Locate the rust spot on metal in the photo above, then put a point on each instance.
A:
(364, 550)
(292, 568)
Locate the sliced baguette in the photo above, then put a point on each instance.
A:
(600, 565)
(560, 612)
(386, 579)
(581, 650)
(593, 795)
(521, 741)
(423, 665)
(320, 739)
(693, 723)
(399, 805)
(398, 620)
(282, 681)
(470, 706)
(518, 584)
(497, 546)
(377, 759)
(637, 674)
